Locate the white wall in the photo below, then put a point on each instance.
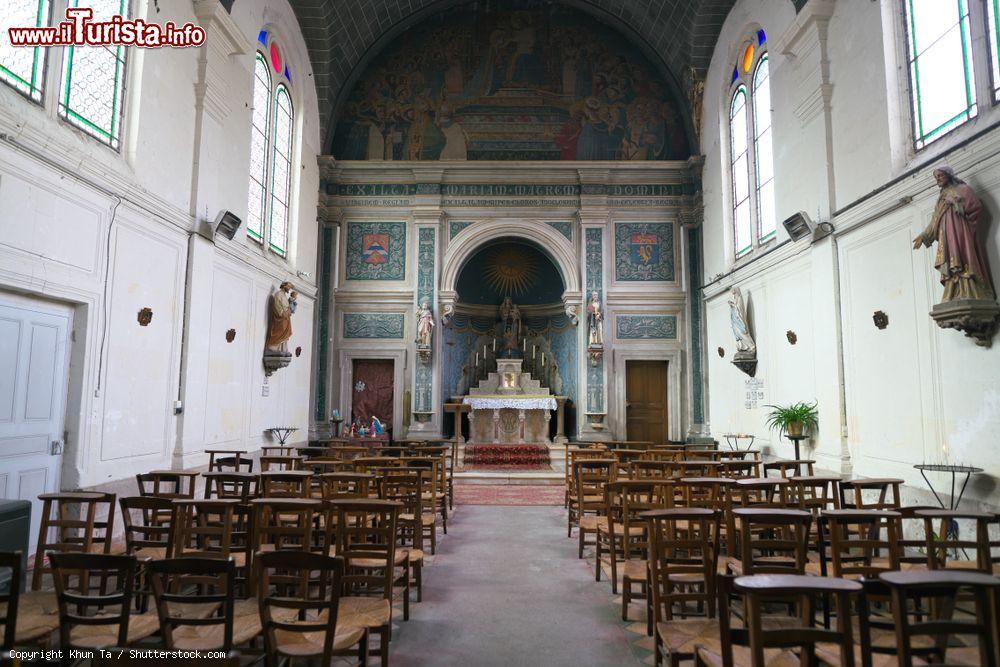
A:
(912, 389)
(111, 233)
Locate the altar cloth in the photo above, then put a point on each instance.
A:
(512, 402)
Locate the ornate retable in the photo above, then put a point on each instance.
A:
(512, 420)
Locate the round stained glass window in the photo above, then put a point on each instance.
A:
(276, 57)
(747, 57)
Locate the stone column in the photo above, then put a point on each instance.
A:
(427, 414)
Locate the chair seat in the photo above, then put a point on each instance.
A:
(635, 570)
(415, 555)
(602, 527)
(398, 559)
(681, 636)
(359, 612)
(968, 565)
(742, 657)
(306, 644)
(140, 626)
(425, 519)
(246, 626)
(829, 654)
(37, 616)
(152, 553)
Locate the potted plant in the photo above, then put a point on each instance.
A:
(793, 419)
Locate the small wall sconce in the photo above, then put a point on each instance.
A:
(722, 352)
(145, 317)
(880, 319)
(298, 351)
(792, 338)
(231, 335)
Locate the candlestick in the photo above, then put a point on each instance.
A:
(532, 352)
(494, 344)
(477, 360)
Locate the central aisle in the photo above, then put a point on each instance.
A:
(506, 588)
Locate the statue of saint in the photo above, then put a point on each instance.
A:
(280, 327)
(595, 320)
(960, 257)
(510, 316)
(741, 328)
(425, 324)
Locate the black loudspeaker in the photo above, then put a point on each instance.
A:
(227, 224)
(798, 226)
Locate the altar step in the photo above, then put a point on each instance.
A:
(557, 458)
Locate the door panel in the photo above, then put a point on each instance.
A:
(646, 401)
(34, 347)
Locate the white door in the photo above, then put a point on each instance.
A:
(34, 347)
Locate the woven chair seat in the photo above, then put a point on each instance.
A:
(620, 529)
(682, 636)
(735, 565)
(425, 519)
(140, 626)
(592, 523)
(829, 654)
(37, 616)
(398, 560)
(152, 553)
(305, 644)
(415, 555)
(968, 565)
(246, 626)
(359, 612)
(635, 570)
(742, 657)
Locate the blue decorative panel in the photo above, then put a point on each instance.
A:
(455, 226)
(424, 376)
(323, 332)
(646, 327)
(644, 251)
(595, 283)
(376, 251)
(373, 325)
(564, 227)
(694, 270)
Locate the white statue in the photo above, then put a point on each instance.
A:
(595, 320)
(425, 324)
(741, 327)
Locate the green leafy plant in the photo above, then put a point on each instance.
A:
(793, 419)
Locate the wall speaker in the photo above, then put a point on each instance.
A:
(227, 224)
(798, 226)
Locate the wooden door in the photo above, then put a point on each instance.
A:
(646, 401)
(34, 353)
(373, 390)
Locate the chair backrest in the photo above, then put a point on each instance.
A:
(627, 500)
(10, 560)
(942, 587)
(204, 528)
(736, 468)
(942, 539)
(196, 593)
(149, 524)
(80, 604)
(242, 486)
(69, 522)
(278, 450)
(369, 464)
(285, 483)
(276, 463)
(870, 493)
(760, 492)
(284, 523)
(772, 541)
(814, 493)
(591, 479)
(299, 596)
(683, 553)
(759, 593)
(649, 469)
(790, 467)
(345, 485)
(167, 484)
(863, 543)
(662, 455)
(366, 539)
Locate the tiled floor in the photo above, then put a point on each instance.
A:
(508, 494)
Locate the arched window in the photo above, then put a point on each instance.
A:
(939, 60)
(750, 150)
(271, 144)
(22, 67)
(92, 95)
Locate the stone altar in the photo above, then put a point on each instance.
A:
(510, 407)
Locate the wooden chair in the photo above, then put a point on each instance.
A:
(149, 532)
(366, 540)
(766, 640)
(637, 497)
(941, 543)
(10, 561)
(214, 529)
(592, 452)
(616, 534)
(814, 493)
(235, 460)
(588, 504)
(282, 524)
(791, 467)
(863, 543)
(242, 486)
(280, 463)
(737, 468)
(92, 618)
(760, 492)
(769, 541)
(870, 493)
(938, 590)
(346, 485)
(285, 483)
(196, 605)
(279, 450)
(169, 484)
(683, 551)
(69, 523)
(406, 487)
(643, 469)
(436, 488)
(369, 464)
(697, 468)
(300, 608)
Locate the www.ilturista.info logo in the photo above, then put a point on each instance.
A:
(80, 30)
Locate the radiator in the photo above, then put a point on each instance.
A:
(15, 523)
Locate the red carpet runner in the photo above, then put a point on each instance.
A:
(519, 455)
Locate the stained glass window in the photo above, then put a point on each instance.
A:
(281, 178)
(740, 169)
(763, 153)
(93, 80)
(23, 67)
(258, 149)
(939, 53)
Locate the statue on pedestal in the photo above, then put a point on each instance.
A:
(746, 349)
(510, 319)
(279, 330)
(425, 329)
(595, 321)
(969, 299)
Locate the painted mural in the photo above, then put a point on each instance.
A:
(534, 81)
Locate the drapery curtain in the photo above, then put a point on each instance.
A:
(372, 390)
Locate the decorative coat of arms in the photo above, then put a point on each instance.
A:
(376, 248)
(645, 249)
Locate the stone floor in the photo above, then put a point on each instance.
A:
(506, 588)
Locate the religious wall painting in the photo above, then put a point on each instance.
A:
(376, 251)
(646, 327)
(530, 81)
(564, 227)
(456, 226)
(644, 252)
(373, 325)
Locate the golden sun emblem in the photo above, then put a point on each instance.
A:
(510, 271)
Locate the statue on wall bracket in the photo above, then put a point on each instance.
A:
(745, 358)
(279, 329)
(969, 302)
(425, 331)
(595, 329)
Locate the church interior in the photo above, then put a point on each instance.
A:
(493, 332)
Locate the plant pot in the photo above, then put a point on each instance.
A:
(794, 429)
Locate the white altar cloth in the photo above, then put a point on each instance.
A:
(513, 402)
